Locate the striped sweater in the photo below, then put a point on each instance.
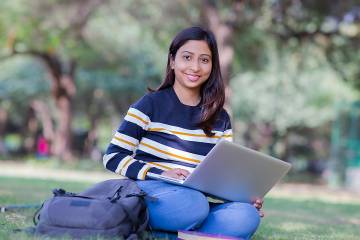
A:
(160, 133)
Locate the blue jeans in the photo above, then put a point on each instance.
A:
(181, 208)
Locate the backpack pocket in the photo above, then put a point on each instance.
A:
(82, 213)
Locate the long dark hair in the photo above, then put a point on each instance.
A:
(212, 92)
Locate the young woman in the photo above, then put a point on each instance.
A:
(169, 131)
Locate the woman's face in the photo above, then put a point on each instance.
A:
(192, 64)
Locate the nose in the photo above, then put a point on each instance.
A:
(195, 67)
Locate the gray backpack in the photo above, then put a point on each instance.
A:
(111, 208)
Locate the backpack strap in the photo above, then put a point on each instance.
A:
(136, 221)
(62, 193)
(143, 225)
(36, 216)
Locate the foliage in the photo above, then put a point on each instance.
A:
(289, 56)
(292, 90)
(333, 27)
(21, 79)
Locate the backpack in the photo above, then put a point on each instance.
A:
(111, 208)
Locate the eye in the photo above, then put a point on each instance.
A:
(205, 60)
(187, 57)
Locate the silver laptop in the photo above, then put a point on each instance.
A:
(233, 172)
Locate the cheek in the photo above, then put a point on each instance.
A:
(179, 65)
(207, 69)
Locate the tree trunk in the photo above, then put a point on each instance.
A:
(224, 33)
(43, 115)
(3, 121)
(63, 89)
(29, 132)
(62, 142)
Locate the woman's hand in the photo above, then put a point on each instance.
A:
(176, 173)
(258, 203)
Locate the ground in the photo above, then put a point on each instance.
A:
(293, 211)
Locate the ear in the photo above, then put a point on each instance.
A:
(172, 62)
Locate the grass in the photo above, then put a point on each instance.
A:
(286, 218)
(26, 191)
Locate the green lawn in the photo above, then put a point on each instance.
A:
(286, 218)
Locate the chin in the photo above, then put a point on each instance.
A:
(194, 85)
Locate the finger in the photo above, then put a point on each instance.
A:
(179, 176)
(182, 172)
(258, 207)
(256, 200)
(259, 203)
(177, 170)
(262, 214)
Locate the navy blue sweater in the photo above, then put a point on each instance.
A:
(160, 133)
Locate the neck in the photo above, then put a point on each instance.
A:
(190, 97)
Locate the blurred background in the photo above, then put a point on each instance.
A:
(69, 69)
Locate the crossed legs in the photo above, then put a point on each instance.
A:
(181, 208)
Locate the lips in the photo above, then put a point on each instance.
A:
(192, 77)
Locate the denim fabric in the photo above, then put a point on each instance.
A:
(181, 208)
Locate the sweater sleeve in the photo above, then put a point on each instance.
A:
(228, 133)
(119, 156)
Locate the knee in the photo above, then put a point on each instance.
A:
(248, 215)
(233, 219)
(196, 207)
(178, 208)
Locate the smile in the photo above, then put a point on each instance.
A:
(192, 77)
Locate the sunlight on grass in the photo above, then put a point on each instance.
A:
(294, 226)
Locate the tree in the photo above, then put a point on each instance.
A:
(333, 26)
(34, 31)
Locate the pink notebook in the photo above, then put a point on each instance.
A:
(192, 235)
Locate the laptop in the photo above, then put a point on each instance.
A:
(233, 172)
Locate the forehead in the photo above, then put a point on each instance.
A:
(196, 46)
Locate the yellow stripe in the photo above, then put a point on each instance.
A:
(181, 133)
(145, 172)
(124, 141)
(171, 154)
(126, 163)
(160, 165)
(137, 117)
(187, 134)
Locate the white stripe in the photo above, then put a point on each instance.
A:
(142, 171)
(122, 145)
(107, 157)
(139, 114)
(173, 131)
(228, 138)
(172, 165)
(136, 120)
(168, 150)
(179, 129)
(228, 132)
(124, 169)
(127, 138)
(157, 166)
(121, 164)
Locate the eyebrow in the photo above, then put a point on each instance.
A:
(204, 54)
